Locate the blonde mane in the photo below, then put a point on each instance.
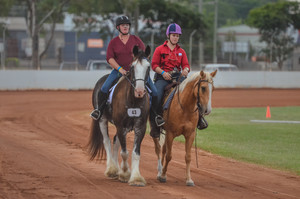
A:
(192, 78)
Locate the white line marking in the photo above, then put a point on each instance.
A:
(276, 121)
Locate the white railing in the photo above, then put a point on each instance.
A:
(74, 80)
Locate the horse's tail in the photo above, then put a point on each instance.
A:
(95, 144)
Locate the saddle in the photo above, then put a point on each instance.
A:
(202, 123)
(175, 76)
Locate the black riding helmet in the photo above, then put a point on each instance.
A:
(122, 20)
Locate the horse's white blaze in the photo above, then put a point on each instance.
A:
(140, 70)
(208, 110)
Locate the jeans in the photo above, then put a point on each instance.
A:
(110, 79)
(160, 85)
(116, 75)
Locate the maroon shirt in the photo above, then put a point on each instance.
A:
(121, 52)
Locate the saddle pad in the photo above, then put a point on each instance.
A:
(167, 104)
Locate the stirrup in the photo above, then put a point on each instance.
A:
(95, 114)
(202, 123)
(159, 121)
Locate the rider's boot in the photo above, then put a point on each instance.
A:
(202, 123)
(159, 120)
(98, 111)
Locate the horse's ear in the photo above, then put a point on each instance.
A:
(202, 74)
(213, 74)
(135, 50)
(147, 51)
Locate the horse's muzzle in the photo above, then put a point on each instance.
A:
(207, 111)
(139, 93)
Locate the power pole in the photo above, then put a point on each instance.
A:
(215, 59)
(136, 19)
(200, 44)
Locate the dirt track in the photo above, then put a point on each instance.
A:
(42, 155)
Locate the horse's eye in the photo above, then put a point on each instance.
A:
(203, 89)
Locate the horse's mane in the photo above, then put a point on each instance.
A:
(193, 77)
(140, 56)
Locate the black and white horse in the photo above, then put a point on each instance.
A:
(129, 110)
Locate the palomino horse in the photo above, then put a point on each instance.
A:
(181, 119)
(129, 111)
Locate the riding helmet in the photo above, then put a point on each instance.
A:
(122, 20)
(173, 28)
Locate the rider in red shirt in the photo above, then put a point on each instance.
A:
(167, 59)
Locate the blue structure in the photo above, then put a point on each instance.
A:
(84, 52)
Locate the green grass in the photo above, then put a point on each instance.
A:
(231, 134)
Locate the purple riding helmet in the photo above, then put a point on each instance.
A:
(173, 28)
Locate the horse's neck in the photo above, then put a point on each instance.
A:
(186, 96)
(125, 85)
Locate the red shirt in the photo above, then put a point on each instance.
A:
(121, 52)
(168, 59)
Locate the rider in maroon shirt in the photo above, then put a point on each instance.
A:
(122, 53)
(119, 56)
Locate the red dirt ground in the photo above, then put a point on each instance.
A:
(42, 153)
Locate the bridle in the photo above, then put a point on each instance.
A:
(133, 79)
(199, 107)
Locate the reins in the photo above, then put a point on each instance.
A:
(198, 96)
(199, 108)
(131, 82)
(134, 80)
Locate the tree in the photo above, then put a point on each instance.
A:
(273, 21)
(39, 12)
(151, 11)
(166, 12)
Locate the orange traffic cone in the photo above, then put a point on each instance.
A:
(268, 113)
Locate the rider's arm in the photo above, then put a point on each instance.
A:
(185, 62)
(156, 61)
(116, 66)
(110, 57)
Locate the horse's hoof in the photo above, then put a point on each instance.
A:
(112, 173)
(162, 179)
(137, 181)
(124, 177)
(122, 180)
(137, 184)
(190, 183)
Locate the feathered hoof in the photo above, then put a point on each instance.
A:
(124, 177)
(162, 179)
(190, 183)
(139, 182)
(112, 173)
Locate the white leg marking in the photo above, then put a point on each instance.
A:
(116, 152)
(159, 168)
(111, 168)
(124, 174)
(136, 179)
